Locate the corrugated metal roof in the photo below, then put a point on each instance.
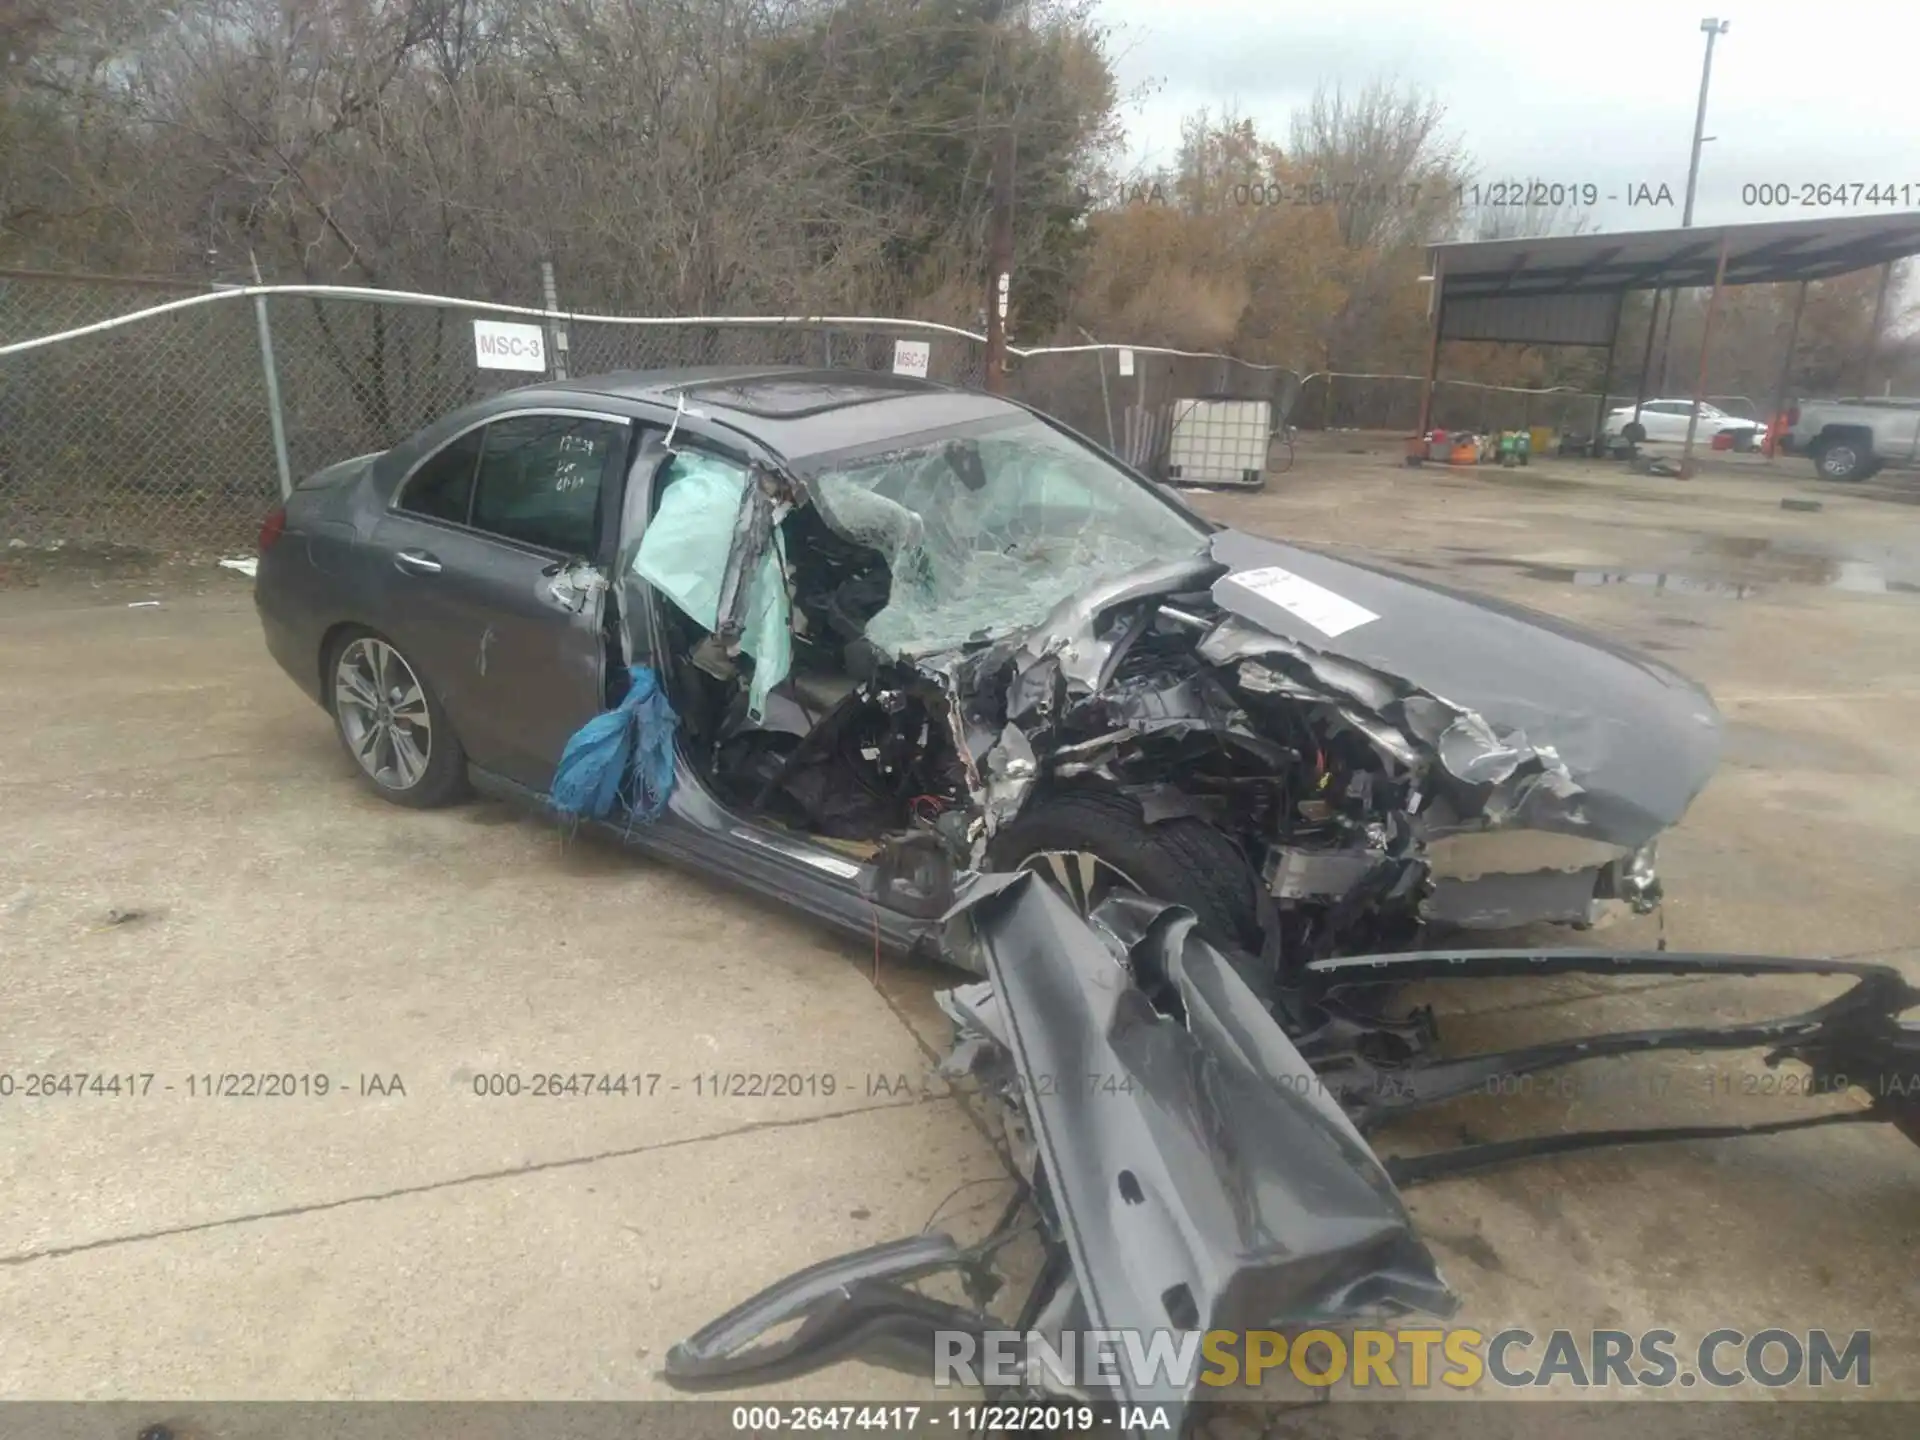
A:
(1767, 252)
(1582, 319)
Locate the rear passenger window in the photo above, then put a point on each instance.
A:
(540, 477)
(442, 489)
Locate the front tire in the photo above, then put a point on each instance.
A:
(391, 724)
(1087, 843)
(1843, 460)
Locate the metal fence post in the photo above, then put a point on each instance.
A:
(1106, 399)
(556, 332)
(274, 416)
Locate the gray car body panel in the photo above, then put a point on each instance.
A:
(1191, 1168)
(1198, 1173)
(1639, 739)
(1203, 1177)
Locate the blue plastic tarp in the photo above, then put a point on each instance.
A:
(620, 763)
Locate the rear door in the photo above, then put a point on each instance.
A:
(1904, 432)
(1657, 417)
(493, 558)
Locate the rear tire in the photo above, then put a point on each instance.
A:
(391, 724)
(1184, 861)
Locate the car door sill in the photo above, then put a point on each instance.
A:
(822, 883)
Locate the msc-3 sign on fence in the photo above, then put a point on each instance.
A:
(499, 345)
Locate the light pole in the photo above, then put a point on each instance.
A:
(1713, 30)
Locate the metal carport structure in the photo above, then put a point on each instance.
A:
(1572, 289)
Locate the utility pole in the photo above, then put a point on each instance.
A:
(1713, 29)
(276, 417)
(1000, 261)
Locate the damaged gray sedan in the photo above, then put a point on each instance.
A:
(909, 635)
(930, 667)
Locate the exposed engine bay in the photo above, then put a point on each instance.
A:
(966, 642)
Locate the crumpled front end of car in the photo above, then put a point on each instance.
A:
(1384, 752)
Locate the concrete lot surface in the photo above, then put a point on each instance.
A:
(192, 883)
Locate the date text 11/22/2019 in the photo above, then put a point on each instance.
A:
(1471, 194)
(1468, 195)
(1522, 194)
(198, 1085)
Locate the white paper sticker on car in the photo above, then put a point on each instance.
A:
(1327, 612)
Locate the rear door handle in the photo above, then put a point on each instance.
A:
(418, 561)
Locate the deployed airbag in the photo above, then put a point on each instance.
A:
(683, 554)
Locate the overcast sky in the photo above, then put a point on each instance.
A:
(1802, 92)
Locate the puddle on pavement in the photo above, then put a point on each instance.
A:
(1739, 567)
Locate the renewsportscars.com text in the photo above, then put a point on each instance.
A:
(1412, 1359)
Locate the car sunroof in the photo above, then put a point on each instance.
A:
(786, 398)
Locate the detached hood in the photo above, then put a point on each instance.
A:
(1638, 738)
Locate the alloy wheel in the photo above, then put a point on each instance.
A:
(383, 713)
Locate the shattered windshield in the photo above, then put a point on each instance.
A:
(987, 529)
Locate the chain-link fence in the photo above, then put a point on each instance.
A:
(146, 433)
(159, 433)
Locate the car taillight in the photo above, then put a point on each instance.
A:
(272, 526)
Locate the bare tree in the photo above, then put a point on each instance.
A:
(1390, 172)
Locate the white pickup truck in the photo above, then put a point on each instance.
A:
(1852, 439)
